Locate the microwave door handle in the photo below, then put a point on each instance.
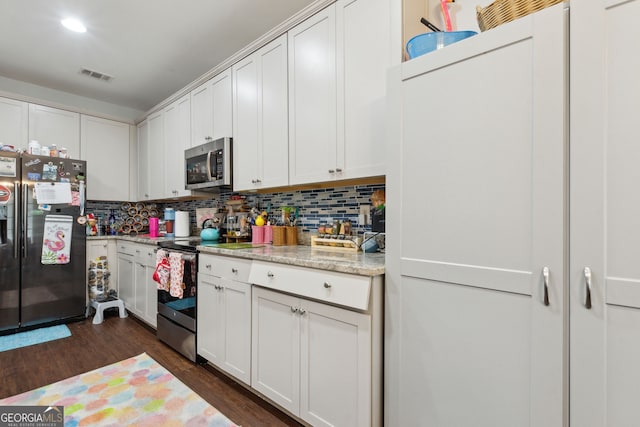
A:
(209, 166)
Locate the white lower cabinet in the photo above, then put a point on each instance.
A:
(224, 314)
(125, 273)
(145, 304)
(312, 359)
(136, 264)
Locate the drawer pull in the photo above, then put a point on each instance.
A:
(327, 285)
(545, 275)
(234, 270)
(270, 274)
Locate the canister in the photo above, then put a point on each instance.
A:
(182, 228)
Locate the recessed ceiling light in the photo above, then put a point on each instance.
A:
(74, 25)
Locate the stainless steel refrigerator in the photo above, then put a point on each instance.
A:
(42, 240)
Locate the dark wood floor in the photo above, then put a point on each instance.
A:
(93, 346)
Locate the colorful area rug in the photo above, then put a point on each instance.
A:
(133, 392)
(36, 336)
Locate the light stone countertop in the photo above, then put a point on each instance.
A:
(371, 264)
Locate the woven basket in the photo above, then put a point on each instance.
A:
(502, 11)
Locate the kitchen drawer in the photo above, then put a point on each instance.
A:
(124, 247)
(336, 288)
(227, 267)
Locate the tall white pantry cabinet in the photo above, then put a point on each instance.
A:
(514, 300)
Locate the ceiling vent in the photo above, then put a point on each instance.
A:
(96, 74)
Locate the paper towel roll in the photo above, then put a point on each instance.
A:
(182, 227)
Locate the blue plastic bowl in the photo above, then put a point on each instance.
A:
(428, 42)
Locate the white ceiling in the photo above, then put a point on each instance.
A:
(152, 48)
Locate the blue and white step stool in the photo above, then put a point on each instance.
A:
(109, 303)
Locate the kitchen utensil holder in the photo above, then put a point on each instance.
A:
(292, 236)
(502, 11)
(279, 235)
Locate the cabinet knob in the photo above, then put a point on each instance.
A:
(253, 181)
(332, 171)
(327, 285)
(294, 309)
(104, 246)
(270, 274)
(258, 181)
(207, 266)
(338, 170)
(234, 270)
(302, 311)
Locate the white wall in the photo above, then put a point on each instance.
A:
(16, 89)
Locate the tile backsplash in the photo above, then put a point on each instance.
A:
(315, 206)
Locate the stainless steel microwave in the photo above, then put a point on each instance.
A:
(208, 166)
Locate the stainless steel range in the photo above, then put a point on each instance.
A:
(177, 300)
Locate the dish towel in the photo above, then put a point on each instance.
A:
(163, 270)
(177, 272)
(56, 243)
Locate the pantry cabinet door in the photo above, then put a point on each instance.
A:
(475, 333)
(14, 123)
(54, 126)
(605, 214)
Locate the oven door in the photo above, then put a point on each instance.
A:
(181, 309)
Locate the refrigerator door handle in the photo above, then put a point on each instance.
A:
(16, 219)
(25, 206)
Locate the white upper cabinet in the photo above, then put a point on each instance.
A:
(105, 146)
(14, 122)
(54, 126)
(337, 92)
(201, 114)
(312, 99)
(177, 138)
(260, 145)
(363, 58)
(143, 156)
(155, 156)
(211, 106)
(222, 91)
